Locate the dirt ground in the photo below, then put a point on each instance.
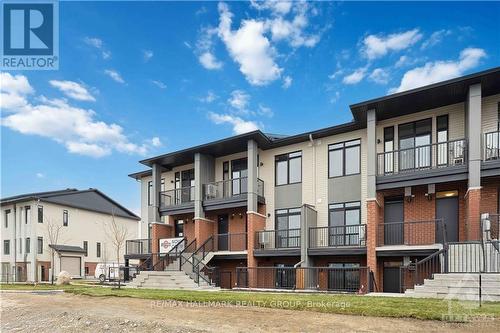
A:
(29, 312)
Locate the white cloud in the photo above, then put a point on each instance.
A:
(249, 47)
(209, 98)
(156, 142)
(355, 77)
(239, 99)
(147, 55)
(114, 75)
(159, 84)
(380, 76)
(40, 175)
(240, 126)
(73, 90)
(98, 44)
(336, 74)
(376, 46)
(209, 61)
(287, 82)
(74, 127)
(265, 111)
(437, 71)
(277, 7)
(435, 38)
(335, 97)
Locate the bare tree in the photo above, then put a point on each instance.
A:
(54, 232)
(118, 234)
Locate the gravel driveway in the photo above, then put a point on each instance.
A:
(72, 313)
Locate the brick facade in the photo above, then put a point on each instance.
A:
(473, 207)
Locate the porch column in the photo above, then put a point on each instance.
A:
(372, 205)
(155, 195)
(473, 196)
(252, 152)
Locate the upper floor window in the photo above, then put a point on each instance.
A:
(6, 247)
(86, 247)
(414, 144)
(65, 218)
(348, 213)
(27, 214)
(289, 168)
(40, 214)
(288, 227)
(27, 245)
(344, 158)
(40, 245)
(98, 250)
(150, 190)
(7, 215)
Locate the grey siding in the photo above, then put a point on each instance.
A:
(288, 196)
(344, 189)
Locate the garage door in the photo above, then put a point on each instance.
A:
(72, 265)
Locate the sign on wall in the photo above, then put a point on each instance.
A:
(167, 244)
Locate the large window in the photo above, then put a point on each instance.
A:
(414, 144)
(344, 158)
(288, 168)
(288, 227)
(7, 215)
(344, 277)
(65, 218)
(86, 247)
(150, 190)
(6, 247)
(40, 214)
(344, 221)
(40, 245)
(27, 214)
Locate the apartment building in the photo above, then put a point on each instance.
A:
(351, 204)
(69, 230)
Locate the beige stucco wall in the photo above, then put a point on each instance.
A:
(489, 113)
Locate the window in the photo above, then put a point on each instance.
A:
(40, 214)
(6, 247)
(65, 218)
(27, 214)
(98, 250)
(20, 245)
(185, 181)
(289, 168)
(442, 138)
(344, 221)
(344, 277)
(150, 190)
(414, 144)
(87, 271)
(344, 158)
(40, 245)
(27, 245)
(388, 149)
(86, 247)
(179, 228)
(7, 215)
(288, 227)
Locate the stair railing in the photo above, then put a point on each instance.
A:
(198, 267)
(186, 254)
(165, 259)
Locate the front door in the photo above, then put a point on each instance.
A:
(447, 210)
(393, 219)
(392, 280)
(285, 276)
(223, 233)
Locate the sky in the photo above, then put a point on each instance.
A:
(137, 80)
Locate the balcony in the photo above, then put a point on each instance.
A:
(179, 200)
(137, 247)
(277, 242)
(404, 167)
(491, 154)
(229, 193)
(346, 239)
(234, 242)
(424, 235)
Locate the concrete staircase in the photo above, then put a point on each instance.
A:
(462, 286)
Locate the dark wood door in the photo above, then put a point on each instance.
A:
(223, 233)
(393, 218)
(447, 210)
(392, 280)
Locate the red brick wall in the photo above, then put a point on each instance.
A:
(46, 265)
(227, 271)
(373, 219)
(256, 222)
(203, 229)
(473, 208)
(159, 231)
(91, 268)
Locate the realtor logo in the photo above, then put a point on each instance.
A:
(30, 35)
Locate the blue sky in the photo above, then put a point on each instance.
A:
(141, 79)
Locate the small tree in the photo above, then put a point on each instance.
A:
(118, 234)
(54, 232)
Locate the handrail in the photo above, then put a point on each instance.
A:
(165, 258)
(333, 236)
(177, 196)
(182, 256)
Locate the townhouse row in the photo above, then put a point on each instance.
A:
(412, 172)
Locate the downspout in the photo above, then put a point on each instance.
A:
(15, 242)
(313, 168)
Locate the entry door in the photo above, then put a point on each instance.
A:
(447, 209)
(223, 230)
(393, 213)
(392, 280)
(239, 175)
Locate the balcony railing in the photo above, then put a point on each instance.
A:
(177, 196)
(138, 246)
(277, 239)
(412, 233)
(491, 146)
(345, 279)
(337, 236)
(230, 242)
(229, 188)
(432, 156)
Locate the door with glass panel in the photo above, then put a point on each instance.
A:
(343, 276)
(285, 276)
(415, 145)
(184, 184)
(239, 174)
(344, 220)
(288, 228)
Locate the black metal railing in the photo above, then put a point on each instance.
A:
(491, 146)
(229, 188)
(230, 242)
(138, 246)
(177, 196)
(412, 233)
(342, 279)
(277, 239)
(432, 156)
(417, 272)
(334, 236)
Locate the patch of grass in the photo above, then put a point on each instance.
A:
(426, 309)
